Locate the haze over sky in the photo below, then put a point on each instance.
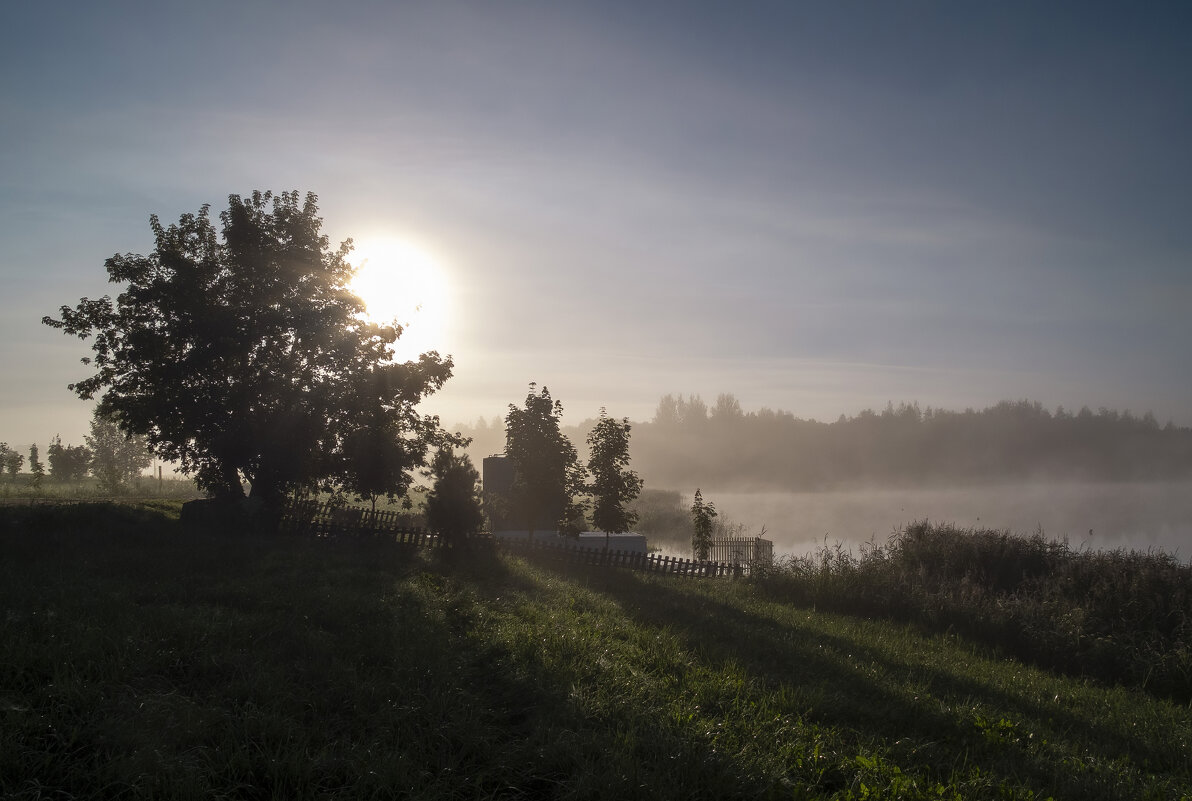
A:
(817, 206)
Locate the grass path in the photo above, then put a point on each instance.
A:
(141, 660)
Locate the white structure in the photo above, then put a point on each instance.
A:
(589, 540)
(628, 542)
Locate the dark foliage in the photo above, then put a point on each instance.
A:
(1113, 615)
(453, 507)
(547, 475)
(10, 460)
(614, 486)
(702, 515)
(67, 462)
(241, 354)
(117, 458)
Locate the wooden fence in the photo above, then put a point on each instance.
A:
(315, 518)
(320, 519)
(742, 550)
(648, 562)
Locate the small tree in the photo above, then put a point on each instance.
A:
(613, 484)
(68, 463)
(36, 467)
(546, 470)
(116, 457)
(10, 460)
(703, 516)
(453, 507)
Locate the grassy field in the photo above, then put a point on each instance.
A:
(22, 489)
(145, 660)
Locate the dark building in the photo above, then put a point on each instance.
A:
(497, 477)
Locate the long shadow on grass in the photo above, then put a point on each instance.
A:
(540, 723)
(846, 683)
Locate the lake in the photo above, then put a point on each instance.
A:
(1137, 516)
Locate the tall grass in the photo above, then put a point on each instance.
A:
(1116, 616)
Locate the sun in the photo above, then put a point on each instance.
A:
(403, 283)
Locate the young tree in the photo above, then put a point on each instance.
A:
(613, 485)
(10, 460)
(68, 463)
(453, 507)
(36, 467)
(703, 515)
(546, 470)
(116, 457)
(242, 354)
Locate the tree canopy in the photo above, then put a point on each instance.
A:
(613, 484)
(10, 460)
(242, 354)
(116, 457)
(453, 507)
(902, 444)
(67, 462)
(546, 470)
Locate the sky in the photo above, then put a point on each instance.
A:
(820, 207)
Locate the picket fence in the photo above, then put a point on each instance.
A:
(747, 550)
(319, 519)
(648, 562)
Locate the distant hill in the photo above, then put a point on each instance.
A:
(688, 444)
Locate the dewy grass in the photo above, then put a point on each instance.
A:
(145, 660)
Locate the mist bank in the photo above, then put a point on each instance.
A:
(1103, 480)
(1138, 516)
(904, 446)
(1102, 516)
(689, 444)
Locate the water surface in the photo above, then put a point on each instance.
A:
(1138, 516)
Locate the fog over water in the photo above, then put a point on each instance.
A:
(1138, 516)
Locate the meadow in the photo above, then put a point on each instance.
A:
(143, 659)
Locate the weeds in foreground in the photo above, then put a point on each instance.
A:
(1117, 616)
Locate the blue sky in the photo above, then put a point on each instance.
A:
(820, 207)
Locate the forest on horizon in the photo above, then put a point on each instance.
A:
(689, 444)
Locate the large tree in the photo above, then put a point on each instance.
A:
(242, 354)
(613, 484)
(546, 471)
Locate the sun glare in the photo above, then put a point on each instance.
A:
(401, 282)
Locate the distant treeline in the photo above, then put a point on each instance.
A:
(690, 444)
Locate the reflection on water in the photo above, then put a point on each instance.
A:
(1095, 515)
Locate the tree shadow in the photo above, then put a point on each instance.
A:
(532, 714)
(844, 682)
